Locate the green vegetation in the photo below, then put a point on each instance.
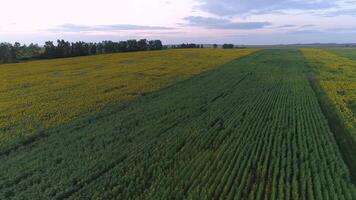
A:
(228, 46)
(333, 78)
(37, 95)
(252, 129)
(344, 52)
(13, 53)
(65, 49)
(337, 77)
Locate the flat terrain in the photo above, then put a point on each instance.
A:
(337, 77)
(35, 96)
(250, 129)
(344, 52)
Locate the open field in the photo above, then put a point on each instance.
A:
(337, 77)
(38, 95)
(251, 129)
(344, 52)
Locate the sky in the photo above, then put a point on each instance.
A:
(178, 21)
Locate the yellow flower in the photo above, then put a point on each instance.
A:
(337, 77)
(43, 94)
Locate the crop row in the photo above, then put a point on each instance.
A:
(252, 129)
(337, 78)
(43, 94)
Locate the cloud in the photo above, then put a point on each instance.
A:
(348, 29)
(307, 26)
(305, 32)
(236, 7)
(113, 27)
(339, 12)
(287, 26)
(218, 23)
(296, 28)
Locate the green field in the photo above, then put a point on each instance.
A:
(336, 76)
(35, 96)
(344, 52)
(249, 129)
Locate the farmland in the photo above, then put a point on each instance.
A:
(249, 129)
(337, 77)
(344, 52)
(35, 96)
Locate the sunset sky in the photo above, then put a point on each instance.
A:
(173, 21)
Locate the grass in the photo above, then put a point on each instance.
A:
(35, 96)
(252, 129)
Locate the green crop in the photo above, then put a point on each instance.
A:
(251, 129)
(43, 94)
(337, 78)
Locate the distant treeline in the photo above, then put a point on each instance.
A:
(188, 45)
(67, 49)
(228, 46)
(63, 49)
(192, 45)
(17, 52)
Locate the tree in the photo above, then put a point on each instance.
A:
(80, 49)
(93, 48)
(215, 46)
(63, 49)
(155, 45)
(108, 46)
(50, 49)
(100, 48)
(6, 53)
(132, 45)
(158, 45)
(188, 45)
(228, 46)
(142, 45)
(33, 50)
(17, 50)
(123, 46)
(12, 53)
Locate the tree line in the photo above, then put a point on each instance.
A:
(66, 49)
(188, 45)
(192, 45)
(228, 46)
(16, 52)
(62, 49)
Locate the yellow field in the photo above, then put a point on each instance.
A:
(337, 77)
(43, 94)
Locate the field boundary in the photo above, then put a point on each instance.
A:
(13, 146)
(250, 129)
(342, 135)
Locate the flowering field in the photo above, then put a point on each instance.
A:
(37, 95)
(337, 77)
(344, 52)
(251, 129)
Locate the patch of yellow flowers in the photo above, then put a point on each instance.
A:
(43, 94)
(337, 77)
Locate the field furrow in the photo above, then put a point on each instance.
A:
(251, 129)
